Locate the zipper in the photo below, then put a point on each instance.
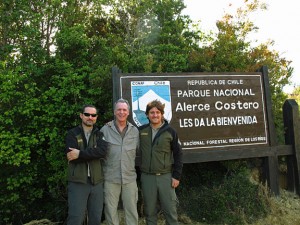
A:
(151, 151)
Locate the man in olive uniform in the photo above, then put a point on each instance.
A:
(161, 165)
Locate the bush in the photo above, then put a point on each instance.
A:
(231, 199)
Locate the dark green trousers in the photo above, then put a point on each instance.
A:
(82, 198)
(158, 188)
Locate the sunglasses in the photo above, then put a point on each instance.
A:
(88, 115)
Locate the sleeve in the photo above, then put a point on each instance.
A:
(70, 141)
(99, 151)
(138, 151)
(177, 155)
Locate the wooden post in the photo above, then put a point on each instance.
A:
(116, 83)
(292, 137)
(270, 162)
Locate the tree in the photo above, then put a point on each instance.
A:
(25, 43)
(41, 95)
(231, 51)
(57, 55)
(295, 95)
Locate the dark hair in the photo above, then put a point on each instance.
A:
(122, 100)
(90, 106)
(155, 103)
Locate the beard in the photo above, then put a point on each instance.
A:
(88, 123)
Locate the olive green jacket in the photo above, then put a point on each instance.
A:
(163, 154)
(78, 169)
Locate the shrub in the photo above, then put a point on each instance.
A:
(231, 199)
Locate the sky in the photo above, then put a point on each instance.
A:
(280, 23)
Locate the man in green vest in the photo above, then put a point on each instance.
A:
(161, 165)
(85, 175)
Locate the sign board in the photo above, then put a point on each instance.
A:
(207, 110)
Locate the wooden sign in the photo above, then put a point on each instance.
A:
(207, 110)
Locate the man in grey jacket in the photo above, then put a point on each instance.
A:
(119, 168)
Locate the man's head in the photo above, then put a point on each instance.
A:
(155, 112)
(121, 110)
(88, 115)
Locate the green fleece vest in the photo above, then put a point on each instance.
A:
(78, 170)
(157, 155)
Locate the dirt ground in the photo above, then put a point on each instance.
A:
(285, 210)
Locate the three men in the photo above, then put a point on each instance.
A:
(161, 164)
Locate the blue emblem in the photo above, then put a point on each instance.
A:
(143, 92)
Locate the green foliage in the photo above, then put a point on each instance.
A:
(57, 55)
(19, 178)
(231, 51)
(295, 95)
(216, 194)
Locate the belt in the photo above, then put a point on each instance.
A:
(155, 174)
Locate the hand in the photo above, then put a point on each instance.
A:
(73, 154)
(175, 183)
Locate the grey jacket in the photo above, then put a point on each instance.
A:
(119, 165)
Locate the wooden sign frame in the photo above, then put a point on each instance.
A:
(190, 96)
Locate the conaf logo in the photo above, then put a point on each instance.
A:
(143, 92)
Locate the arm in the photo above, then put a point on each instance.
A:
(96, 152)
(71, 144)
(99, 151)
(138, 155)
(138, 161)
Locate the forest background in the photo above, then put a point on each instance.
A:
(57, 55)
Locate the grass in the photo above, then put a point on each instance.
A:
(284, 210)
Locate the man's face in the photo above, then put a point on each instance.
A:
(121, 111)
(89, 116)
(155, 116)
